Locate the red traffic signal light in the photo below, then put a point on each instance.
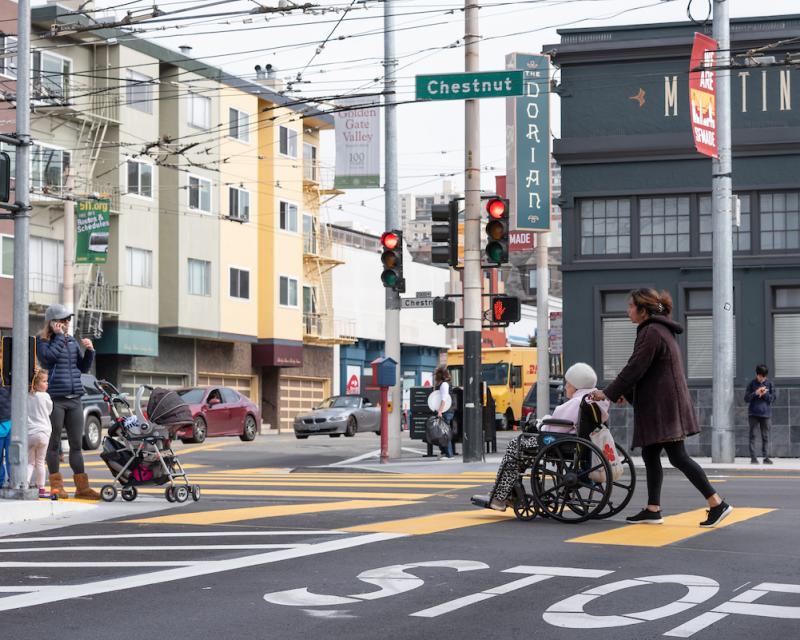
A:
(497, 208)
(390, 239)
(505, 309)
(392, 260)
(497, 230)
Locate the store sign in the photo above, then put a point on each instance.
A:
(702, 95)
(528, 133)
(556, 332)
(353, 385)
(520, 241)
(358, 145)
(91, 241)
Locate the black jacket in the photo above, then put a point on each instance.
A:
(62, 357)
(760, 405)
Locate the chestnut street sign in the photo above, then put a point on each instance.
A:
(468, 86)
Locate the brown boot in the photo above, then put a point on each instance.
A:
(82, 488)
(57, 486)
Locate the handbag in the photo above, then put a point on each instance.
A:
(437, 431)
(604, 441)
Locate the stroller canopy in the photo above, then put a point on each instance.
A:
(166, 407)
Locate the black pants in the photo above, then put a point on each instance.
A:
(755, 423)
(676, 452)
(67, 414)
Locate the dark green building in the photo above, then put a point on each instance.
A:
(637, 210)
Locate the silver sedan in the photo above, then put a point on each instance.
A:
(339, 415)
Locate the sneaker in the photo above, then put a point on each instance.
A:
(767, 461)
(646, 516)
(43, 493)
(498, 505)
(754, 460)
(716, 515)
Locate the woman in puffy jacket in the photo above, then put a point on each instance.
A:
(60, 354)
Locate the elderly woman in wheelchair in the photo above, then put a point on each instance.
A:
(571, 478)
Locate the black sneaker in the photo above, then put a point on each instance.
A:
(767, 461)
(716, 515)
(646, 517)
(754, 460)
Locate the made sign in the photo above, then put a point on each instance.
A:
(520, 241)
(469, 86)
(702, 95)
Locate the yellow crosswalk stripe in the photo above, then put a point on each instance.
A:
(675, 529)
(222, 516)
(217, 482)
(424, 525)
(291, 493)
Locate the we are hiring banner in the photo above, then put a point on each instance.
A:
(358, 144)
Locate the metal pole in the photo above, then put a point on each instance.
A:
(722, 441)
(472, 432)
(392, 220)
(19, 363)
(542, 325)
(68, 290)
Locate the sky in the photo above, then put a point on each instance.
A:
(338, 49)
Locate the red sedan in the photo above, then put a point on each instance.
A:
(219, 411)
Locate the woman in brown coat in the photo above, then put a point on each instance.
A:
(654, 382)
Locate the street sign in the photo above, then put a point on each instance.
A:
(424, 294)
(468, 86)
(416, 303)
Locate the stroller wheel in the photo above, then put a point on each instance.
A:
(129, 494)
(181, 493)
(195, 492)
(108, 493)
(169, 494)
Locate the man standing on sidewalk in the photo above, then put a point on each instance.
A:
(760, 395)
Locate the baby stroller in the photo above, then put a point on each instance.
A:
(138, 447)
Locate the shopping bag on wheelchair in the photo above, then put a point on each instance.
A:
(604, 441)
(437, 431)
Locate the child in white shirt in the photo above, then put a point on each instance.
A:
(39, 428)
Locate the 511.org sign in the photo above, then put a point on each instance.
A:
(91, 241)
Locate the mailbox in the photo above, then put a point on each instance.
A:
(384, 372)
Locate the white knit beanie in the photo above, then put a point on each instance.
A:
(581, 376)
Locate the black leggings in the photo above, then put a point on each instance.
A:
(67, 414)
(676, 452)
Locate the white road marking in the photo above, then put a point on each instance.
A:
(73, 591)
(163, 547)
(370, 454)
(70, 565)
(176, 534)
(329, 614)
(694, 625)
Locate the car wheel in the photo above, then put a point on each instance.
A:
(352, 427)
(92, 433)
(249, 432)
(299, 437)
(199, 430)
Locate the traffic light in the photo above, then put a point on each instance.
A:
(447, 233)
(497, 230)
(392, 259)
(505, 309)
(444, 311)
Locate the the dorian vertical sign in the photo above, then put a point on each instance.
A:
(702, 95)
(528, 126)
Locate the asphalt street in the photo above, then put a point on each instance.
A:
(282, 546)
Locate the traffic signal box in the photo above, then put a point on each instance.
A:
(392, 260)
(446, 233)
(505, 309)
(497, 229)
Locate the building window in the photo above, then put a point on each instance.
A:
(46, 264)
(200, 194)
(699, 334)
(139, 91)
(288, 141)
(605, 227)
(48, 166)
(780, 221)
(664, 225)
(310, 162)
(7, 256)
(239, 283)
(199, 277)
(8, 63)
(140, 179)
(199, 111)
(287, 292)
(288, 216)
(309, 234)
(618, 333)
(238, 125)
(51, 76)
(786, 331)
(140, 267)
(239, 204)
(741, 234)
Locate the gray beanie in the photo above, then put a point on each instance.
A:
(581, 376)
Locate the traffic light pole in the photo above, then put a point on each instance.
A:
(392, 345)
(542, 325)
(472, 428)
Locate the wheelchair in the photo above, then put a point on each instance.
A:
(570, 478)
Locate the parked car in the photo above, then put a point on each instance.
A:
(339, 415)
(556, 398)
(219, 411)
(95, 413)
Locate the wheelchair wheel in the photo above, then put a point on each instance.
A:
(621, 488)
(525, 508)
(561, 483)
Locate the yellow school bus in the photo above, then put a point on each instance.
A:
(509, 371)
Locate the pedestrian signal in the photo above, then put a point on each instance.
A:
(446, 233)
(497, 230)
(392, 260)
(444, 311)
(505, 309)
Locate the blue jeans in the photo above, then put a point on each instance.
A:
(448, 450)
(5, 442)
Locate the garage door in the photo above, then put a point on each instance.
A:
(246, 385)
(132, 379)
(299, 394)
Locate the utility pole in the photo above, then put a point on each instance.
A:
(722, 440)
(19, 362)
(68, 290)
(392, 347)
(472, 411)
(542, 325)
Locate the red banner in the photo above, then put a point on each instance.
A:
(702, 95)
(520, 241)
